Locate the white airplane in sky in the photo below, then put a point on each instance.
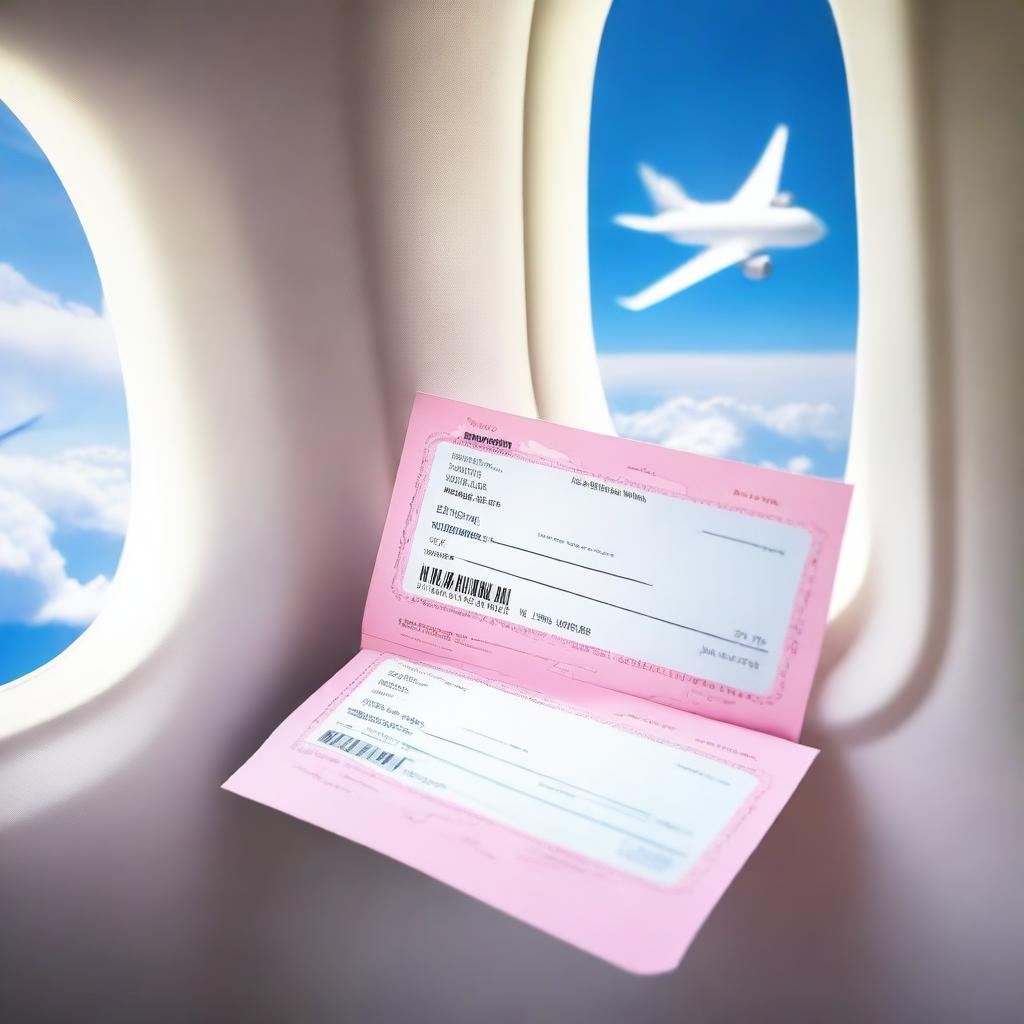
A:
(756, 218)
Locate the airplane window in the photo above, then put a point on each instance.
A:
(723, 247)
(64, 464)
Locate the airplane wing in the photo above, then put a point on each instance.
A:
(659, 224)
(703, 265)
(762, 186)
(28, 424)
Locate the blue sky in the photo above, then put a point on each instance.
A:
(39, 230)
(64, 483)
(695, 88)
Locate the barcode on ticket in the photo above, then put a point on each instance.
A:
(448, 579)
(358, 747)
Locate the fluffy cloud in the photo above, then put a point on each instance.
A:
(34, 583)
(797, 464)
(793, 408)
(85, 488)
(710, 435)
(75, 603)
(718, 426)
(684, 424)
(796, 420)
(38, 327)
(769, 379)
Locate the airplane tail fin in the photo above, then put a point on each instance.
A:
(665, 193)
(762, 186)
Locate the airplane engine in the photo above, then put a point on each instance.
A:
(783, 199)
(757, 268)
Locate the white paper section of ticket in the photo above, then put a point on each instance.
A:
(644, 807)
(656, 577)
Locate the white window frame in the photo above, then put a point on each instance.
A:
(885, 596)
(160, 555)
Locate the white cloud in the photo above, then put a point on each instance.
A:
(772, 380)
(739, 405)
(819, 420)
(713, 435)
(34, 584)
(797, 464)
(718, 425)
(684, 424)
(75, 603)
(38, 327)
(84, 488)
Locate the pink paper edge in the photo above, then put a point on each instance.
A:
(635, 925)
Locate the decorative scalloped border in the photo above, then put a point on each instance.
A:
(791, 641)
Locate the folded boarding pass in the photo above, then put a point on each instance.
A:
(585, 663)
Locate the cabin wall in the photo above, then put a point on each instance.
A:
(331, 199)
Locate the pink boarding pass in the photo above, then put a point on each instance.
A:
(585, 663)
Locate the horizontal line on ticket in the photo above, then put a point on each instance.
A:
(621, 608)
(740, 540)
(566, 561)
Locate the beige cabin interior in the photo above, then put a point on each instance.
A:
(302, 213)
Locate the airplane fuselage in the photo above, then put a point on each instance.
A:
(741, 231)
(771, 227)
